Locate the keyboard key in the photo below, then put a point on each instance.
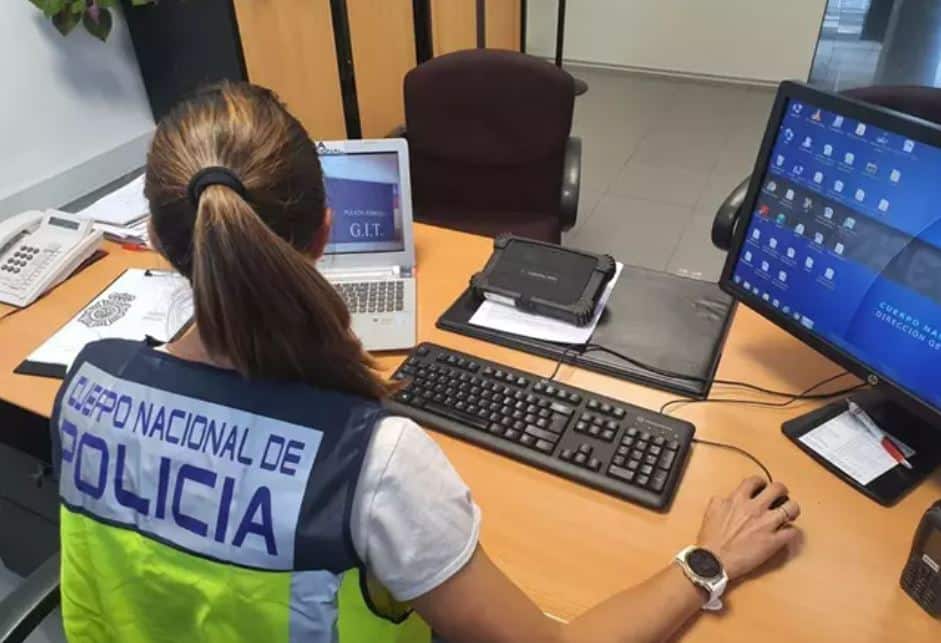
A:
(593, 405)
(566, 454)
(580, 458)
(619, 460)
(651, 460)
(659, 440)
(633, 464)
(642, 480)
(448, 412)
(658, 481)
(666, 459)
(581, 426)
(557, 425)
(584, 448)
(619, 413)
(594, 464)
(607, 435)
(528, 440)
(623, 450)
(556, 407)
(654, 450)
(606, 409)
(646, 469)
(542, 434)
(545, 446)
(622, 474)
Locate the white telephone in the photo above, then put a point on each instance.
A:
(40, 249)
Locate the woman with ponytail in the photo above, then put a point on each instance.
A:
(242, 483)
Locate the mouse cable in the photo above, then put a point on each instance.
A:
(739, 450)
(590, 347)
(806, 394)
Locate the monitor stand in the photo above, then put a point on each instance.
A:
(896, 420)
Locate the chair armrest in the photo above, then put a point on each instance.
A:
(397, 132)
(727, 217)
(25, 607)
(571, 181)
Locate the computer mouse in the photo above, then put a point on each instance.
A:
(777, 502)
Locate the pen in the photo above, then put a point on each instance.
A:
(867, 423)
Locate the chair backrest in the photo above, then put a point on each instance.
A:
(915, 100)
(487, 131)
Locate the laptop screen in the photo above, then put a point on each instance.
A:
(363, 190)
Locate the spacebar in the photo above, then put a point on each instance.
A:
(453, 414)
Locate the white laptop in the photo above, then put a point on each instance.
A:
(371, 254)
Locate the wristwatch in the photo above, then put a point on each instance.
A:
(704, 570)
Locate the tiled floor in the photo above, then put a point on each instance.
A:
(659, 156)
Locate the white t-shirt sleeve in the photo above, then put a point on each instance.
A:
(414, 523)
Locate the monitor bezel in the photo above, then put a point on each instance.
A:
(918, 130)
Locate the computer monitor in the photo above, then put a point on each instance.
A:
(840, 241)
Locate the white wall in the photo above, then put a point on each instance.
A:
(73, 113)
(764, 40)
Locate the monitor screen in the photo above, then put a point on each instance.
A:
(844, 240)
(363, 192)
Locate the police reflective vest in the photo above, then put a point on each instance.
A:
(197, 505)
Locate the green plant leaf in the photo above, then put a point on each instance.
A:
(100, 28)
(138, 3)
(65, 21)
(107, 3)
(78, 6)
(50, 7)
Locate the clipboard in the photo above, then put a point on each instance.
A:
(57, 369)
(895, 483)
(672, 323)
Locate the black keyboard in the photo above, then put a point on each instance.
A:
(597, 441)
(385, 296)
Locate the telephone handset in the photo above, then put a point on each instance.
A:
(40, 249)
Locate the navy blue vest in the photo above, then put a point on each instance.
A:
(254, 473)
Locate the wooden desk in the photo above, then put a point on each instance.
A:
(570, 547)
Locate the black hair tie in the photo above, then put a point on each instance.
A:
(215, 175)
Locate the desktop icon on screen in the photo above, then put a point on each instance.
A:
(737, 279)
(776, 303)
(763, 210)
(790, 253)
(781, 219)
(849, 223)
(772, 243)
(747, 285)
(817, 116)
(838, 248)
(860, 195)
(765, 266)
(782, 276)
(789, 195)
(837, 121)
(828, 150)
(883, 205)
(766, 297)
(779, 161)
(797, 108)
(895, 176)
(848, 158)
(809, 263)
(798, 170)
(838, 185)
(818, 177)
(756, 234)
(871, 168)
(799, 228)
(818, 238)
(861, 129)
(788, 135)
(808, 203)
(828, 273)
(828, 212)
(808, 142)
(908, 145)
(772, 186)
(748, 255)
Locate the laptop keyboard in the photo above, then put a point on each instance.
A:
(373, 296)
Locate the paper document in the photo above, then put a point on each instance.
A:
(136, 305)
(124, 205)
(845, 442)
(508, 319)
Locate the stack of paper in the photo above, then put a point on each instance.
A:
(122, 215)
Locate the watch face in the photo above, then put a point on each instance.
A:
(703, 563)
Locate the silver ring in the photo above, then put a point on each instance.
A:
(787, 516)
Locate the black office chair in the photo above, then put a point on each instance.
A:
(923, 102)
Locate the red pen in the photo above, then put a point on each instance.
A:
(887, 444)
